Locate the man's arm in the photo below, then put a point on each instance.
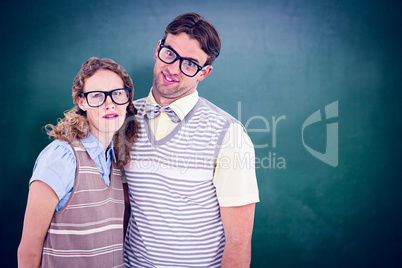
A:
(238, 226)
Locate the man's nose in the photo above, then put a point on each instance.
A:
(174, 68)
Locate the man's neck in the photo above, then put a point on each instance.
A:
(164, 101)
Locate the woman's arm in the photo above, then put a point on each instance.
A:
(42, 202)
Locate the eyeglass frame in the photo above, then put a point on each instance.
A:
(178, 57)
(107, 93)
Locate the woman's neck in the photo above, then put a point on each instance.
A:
(103, 138)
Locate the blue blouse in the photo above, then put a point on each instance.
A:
(56, 165)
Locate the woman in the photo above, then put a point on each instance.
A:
(75, 209)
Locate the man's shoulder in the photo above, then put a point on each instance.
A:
(216, 111)
(140, 101)
(139, 105)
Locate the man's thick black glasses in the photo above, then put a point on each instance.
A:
(188, 67)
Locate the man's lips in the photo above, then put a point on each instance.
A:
(168, 79)
(110, 116)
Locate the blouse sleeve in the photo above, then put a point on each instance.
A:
(56, 166)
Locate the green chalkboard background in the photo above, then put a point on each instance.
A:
(316, 83)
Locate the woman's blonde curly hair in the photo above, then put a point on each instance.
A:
(74, 126)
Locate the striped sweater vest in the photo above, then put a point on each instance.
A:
(88, 231)
(175, 216)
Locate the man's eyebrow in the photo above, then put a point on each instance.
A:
(195, 60)
(192, 59)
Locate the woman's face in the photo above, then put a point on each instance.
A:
(106, 119)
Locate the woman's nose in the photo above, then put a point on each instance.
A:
(109, 104)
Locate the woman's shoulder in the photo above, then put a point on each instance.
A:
(56, 166)
(57, 150)
(58, 143)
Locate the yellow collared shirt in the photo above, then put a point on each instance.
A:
(234, 178)
(162, 125)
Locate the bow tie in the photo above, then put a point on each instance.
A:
(153, 111)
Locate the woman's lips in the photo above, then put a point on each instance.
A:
(110, 116)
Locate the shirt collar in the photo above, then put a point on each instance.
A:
(181, 106)
(95, 148)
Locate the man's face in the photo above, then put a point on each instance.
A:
(169, 82)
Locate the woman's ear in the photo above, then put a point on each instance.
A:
(82, 103)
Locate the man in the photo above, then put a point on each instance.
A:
(191, 179)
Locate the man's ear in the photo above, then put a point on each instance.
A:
(205, 73)
(157, 50)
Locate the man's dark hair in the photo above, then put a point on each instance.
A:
(199, 29)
